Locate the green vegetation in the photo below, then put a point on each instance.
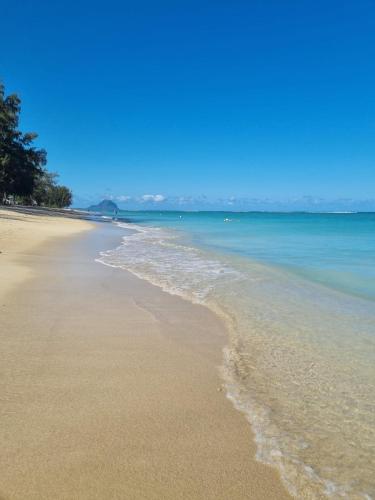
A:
(23, 176)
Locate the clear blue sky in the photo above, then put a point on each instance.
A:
(243, 99)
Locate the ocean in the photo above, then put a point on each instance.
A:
(297, 293)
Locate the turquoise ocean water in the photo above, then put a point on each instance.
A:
(297, 293)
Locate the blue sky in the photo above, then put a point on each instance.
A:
(198, 104)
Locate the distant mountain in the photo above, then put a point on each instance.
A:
(104, 206)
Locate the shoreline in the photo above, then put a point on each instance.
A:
(22, 231)
(113, 388)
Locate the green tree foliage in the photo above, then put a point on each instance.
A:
(20, 162)
(44, 184)
(61, 197)
(47, 192)
(22, 172)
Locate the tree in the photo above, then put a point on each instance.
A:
(61, 197)
(47, 192)
(20, 162)
(43, 186)
(22, 172)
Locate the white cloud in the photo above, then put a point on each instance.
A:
(157, 198)
(231, 200)
(183, 200)
(123, 197)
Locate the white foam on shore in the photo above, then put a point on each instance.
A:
(154, 254)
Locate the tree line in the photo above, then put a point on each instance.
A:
(24, 178)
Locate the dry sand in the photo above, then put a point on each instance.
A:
(21, 232)
(109, 386)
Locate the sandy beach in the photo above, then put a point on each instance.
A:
(110, 387)
(21, 232)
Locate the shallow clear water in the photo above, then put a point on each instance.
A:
(297, 292)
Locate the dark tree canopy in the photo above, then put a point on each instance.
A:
(48, 192)
(21, 163)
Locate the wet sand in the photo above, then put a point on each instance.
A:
(110, 387)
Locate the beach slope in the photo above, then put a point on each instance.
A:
(109, 386)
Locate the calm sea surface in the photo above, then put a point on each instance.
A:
(297, 292)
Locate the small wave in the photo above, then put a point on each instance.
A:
(155, 255)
